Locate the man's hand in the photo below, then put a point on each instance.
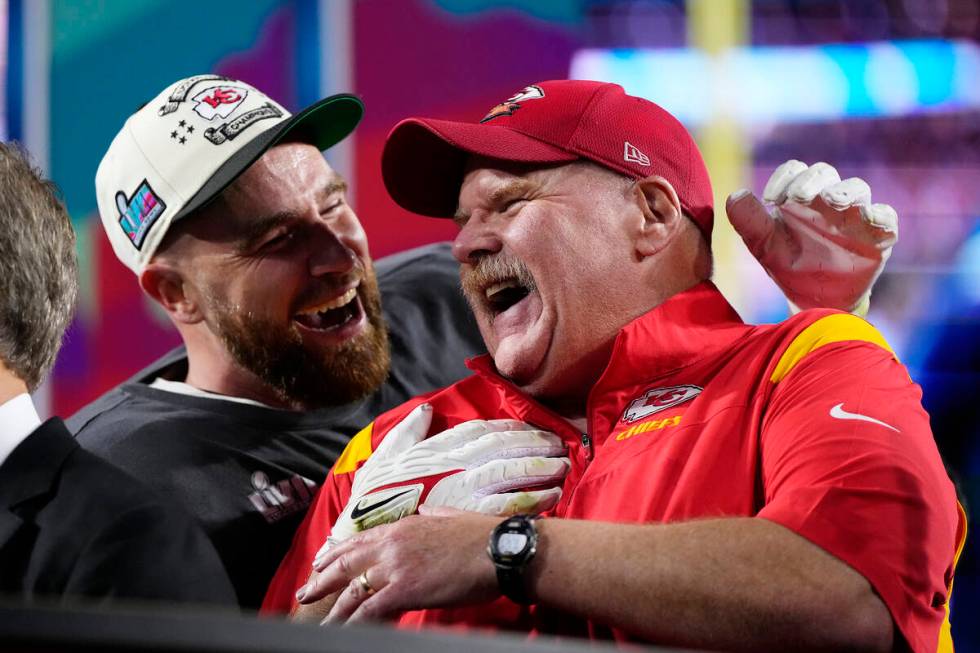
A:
(480, 466)
(436, 559)
(823, 242)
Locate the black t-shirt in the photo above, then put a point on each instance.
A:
(249, 473)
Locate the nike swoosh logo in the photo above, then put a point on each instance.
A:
(360, 510)
(838, 412)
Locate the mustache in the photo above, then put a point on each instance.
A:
(492, 269)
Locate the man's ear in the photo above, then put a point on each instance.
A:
(662, 214)
(166, 285)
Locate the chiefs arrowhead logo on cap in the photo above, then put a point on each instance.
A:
(219, 101)
(513, 103)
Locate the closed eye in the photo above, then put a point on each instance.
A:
(511, 206)
(332, 207)
(277, 240)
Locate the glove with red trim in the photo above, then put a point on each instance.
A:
(823, 242)
(497, 467)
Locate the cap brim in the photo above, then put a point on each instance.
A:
(323, 124)
(423, 160)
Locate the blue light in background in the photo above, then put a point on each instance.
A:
(935, 68)
(852, 61)
(795, 84)
(891, 82)
(675, 74)
(772, 85)
(966, 76)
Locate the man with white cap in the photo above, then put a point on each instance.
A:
(221, 203)
(731, 486)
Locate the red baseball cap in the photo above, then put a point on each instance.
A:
(550, 122)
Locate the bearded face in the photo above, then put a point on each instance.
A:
(304, 373)
(279, 269)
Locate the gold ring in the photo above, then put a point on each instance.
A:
(365, 585)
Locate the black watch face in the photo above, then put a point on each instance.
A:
(511, 544)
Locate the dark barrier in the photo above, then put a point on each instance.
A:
(51, 629)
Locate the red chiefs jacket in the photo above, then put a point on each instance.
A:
(811, 423)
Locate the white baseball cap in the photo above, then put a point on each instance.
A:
(181, 149)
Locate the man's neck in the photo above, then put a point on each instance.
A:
(571, 398)
(10, 385)
(211, 368)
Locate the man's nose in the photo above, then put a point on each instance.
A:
(475, 240)
(329, 254)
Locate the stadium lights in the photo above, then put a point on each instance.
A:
(795, 83)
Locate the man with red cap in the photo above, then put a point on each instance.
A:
(729, 486)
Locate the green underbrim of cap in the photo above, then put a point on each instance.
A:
(323, 125)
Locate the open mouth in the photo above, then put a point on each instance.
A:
(332, 315)
(502, 295)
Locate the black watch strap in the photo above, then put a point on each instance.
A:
(509, 562)
(512, 585)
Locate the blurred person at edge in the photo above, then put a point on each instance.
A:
(223, 206)
(72, 526)
(731, 486)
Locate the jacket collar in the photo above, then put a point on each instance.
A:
(684, 329)
(34, 466)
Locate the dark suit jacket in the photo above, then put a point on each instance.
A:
(74, 526)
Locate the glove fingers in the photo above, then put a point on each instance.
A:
(507, 475)
(513, 503)
(850, 192)
(461, 489)
(408, 432)
(810, 182)
(461, 434)
(510, 425)
(780, 179)
(751, 220)
(884, 220)
(508, 444)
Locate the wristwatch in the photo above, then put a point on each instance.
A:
(513, 544)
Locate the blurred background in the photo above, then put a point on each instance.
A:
(888, 90)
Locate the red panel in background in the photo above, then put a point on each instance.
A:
(389, 227)
(415, 59)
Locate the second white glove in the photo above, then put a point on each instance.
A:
(497, 467)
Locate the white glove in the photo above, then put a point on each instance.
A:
(824, 243)
(475, 466)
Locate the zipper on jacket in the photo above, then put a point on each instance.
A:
(587, 443)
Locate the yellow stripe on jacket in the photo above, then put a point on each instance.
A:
(840, 327)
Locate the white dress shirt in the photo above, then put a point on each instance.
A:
(18, 419)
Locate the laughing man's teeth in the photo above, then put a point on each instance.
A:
(343, 300)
